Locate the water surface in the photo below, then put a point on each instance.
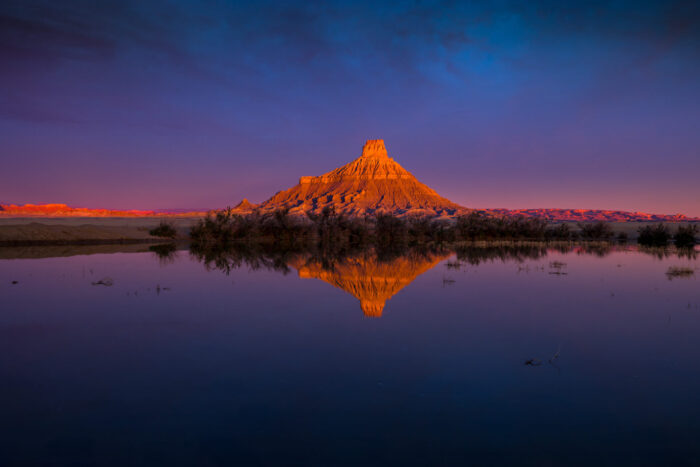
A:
(534, 357)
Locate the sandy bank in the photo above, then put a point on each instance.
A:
(66, 231)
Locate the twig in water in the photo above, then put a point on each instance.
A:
(447, 281)
(556, 355)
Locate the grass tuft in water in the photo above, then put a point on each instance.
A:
(682, 271)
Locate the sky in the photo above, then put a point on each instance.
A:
(128, 104)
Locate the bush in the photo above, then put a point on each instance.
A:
(657, 235)
(596, 231)
(476, 226)
(165, 230)
(559, 232)
(390, 232)
(685, 236)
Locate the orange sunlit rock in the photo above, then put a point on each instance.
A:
(372, 183)
(368, 279)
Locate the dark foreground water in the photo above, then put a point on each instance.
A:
(408, 361)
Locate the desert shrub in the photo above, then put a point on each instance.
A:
(656, 235)
(164, 229)
(622, 237)
(390, 232)
(596, 231)
(335, 233)
(476, 226)
(685, 236)
(559, 232)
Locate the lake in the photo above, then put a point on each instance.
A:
(492, 356)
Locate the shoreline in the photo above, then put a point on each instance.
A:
(76, 231)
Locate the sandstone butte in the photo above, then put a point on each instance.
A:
(372, 281)
(371, 184)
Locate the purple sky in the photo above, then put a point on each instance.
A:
(130, 104)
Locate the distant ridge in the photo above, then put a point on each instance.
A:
(590, 215)
(371, 184)
(554, 215)
(63, 210)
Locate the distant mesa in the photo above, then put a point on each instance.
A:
(371, 281)
(63, 210)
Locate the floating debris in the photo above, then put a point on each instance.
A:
(533, 362)
(107, 282)
(15, 282)
(557, 265)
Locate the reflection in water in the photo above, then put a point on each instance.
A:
(374, 277)
(476, 254)
(666, 252)
(366, 277)
(166, 252)
(501, 368)
(59, 251)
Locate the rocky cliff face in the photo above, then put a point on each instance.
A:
(370, 184)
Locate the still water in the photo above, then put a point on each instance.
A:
(539, 357)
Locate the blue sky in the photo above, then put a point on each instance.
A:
(127, 104)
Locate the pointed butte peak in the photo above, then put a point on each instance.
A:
(374, 148)
(372, 183)
(244, 204)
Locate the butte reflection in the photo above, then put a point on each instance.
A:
(373, 277)
(373, 281)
